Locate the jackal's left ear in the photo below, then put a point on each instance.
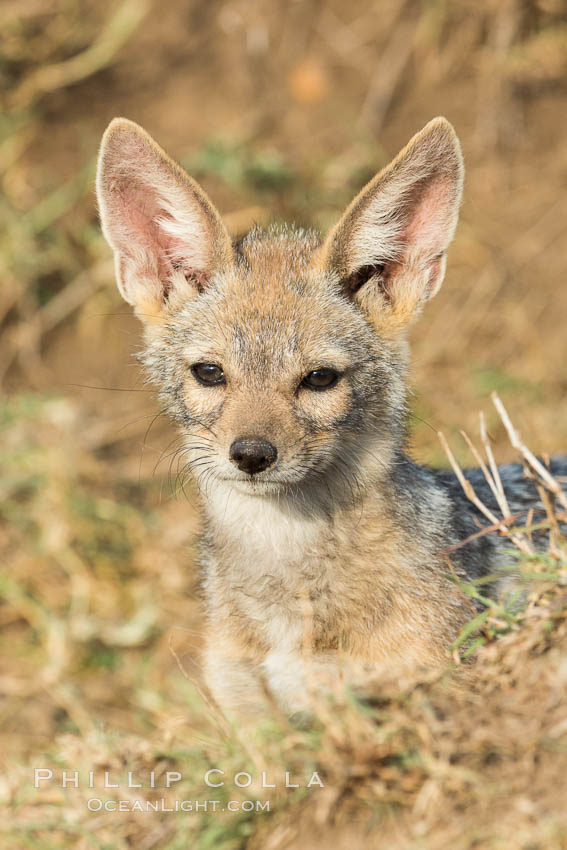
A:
(167, 237)
(388, 249)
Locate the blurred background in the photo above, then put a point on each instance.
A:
(281, 109)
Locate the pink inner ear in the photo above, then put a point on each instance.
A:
(146, 230)
(430, 218)
(141, 229)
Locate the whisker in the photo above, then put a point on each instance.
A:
(111, 389)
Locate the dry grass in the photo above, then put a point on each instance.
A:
(282, 107)
(100, 669)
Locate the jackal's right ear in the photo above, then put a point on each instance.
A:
(167, 237)
(388, 249)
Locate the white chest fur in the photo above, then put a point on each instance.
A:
(271, 558)
(265, 533)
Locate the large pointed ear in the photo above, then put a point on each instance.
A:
(167, 237)
(388, 249)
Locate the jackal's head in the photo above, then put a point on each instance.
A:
(282, 357)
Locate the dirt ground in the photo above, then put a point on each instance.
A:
(281, 110)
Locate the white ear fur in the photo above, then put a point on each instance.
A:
(166, 235)
(389, 247)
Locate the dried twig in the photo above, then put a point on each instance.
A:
(522, 544)
(535, 465)
(389, 71)
(547, 486)
(500, 494)
(27, 337)
(488, 529)
(202, 690)
(97, 56)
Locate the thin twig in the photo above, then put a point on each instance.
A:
(501, 498)
(202, 690)
(488, 529)
(389, 71)
(528, 456)
(471, 494)
(480, 460)
(97, 55)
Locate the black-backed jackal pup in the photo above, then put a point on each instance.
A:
(283, 359)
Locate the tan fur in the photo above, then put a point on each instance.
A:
(305, 585)
(369, 608)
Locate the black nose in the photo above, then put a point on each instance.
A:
(252, 455)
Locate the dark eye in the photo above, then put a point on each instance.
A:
(320, 379)
(208, 373)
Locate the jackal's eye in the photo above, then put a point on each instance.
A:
(320, 379)
(208, 374)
